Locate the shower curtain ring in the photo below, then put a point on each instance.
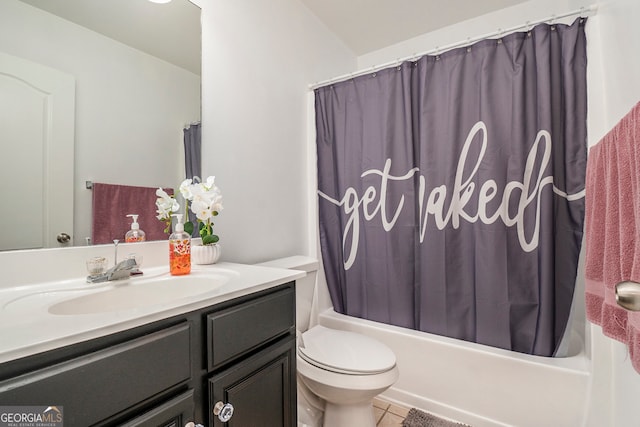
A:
(528, 27)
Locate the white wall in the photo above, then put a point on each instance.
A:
(130, 106)
(258, 59)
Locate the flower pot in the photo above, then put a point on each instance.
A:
(205, 254)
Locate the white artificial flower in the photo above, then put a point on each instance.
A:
(201, 209)
(215, 201)
(162, 194)
(186, 188)
(206, 202)
(217, 206)
(198, 192)
(166, 204)
(210, 184)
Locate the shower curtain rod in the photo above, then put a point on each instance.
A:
(582, 12)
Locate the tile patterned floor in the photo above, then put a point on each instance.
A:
(388, 414)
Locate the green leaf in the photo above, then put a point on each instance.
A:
(208, 240)
(188, 227)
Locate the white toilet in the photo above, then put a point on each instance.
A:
(339, 372)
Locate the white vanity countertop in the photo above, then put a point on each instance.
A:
(45, 316)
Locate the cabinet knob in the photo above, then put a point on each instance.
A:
(224, 411)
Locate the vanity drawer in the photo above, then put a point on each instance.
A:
(237, 330)
(174, 413)
(118, 377)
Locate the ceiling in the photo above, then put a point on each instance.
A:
(368, 25)
(168, 31)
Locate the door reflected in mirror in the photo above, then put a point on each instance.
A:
(132, 102)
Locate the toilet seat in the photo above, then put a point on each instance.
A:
(345, 352)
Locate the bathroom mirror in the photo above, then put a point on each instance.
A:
(135, 72)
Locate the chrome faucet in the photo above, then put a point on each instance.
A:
(121, 270)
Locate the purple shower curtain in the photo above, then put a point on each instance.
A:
(451, 189)
(192, 139)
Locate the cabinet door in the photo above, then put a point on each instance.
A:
(262, 389)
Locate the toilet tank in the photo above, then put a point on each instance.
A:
(305, 286)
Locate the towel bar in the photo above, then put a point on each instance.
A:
(628, 295)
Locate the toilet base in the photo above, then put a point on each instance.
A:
(310, 407)
(348, 398)
(360, 414)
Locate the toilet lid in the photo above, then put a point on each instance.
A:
(345, 352)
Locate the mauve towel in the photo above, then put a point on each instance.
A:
(111, 205)
(612, 230)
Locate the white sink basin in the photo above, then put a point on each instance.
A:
(132, 295)
(125, 295)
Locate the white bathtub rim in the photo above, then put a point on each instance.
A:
(500, 401)
(577, 364)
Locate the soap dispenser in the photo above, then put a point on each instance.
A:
(179, 249)
(135, 234)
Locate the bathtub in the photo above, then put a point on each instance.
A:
(477, 384)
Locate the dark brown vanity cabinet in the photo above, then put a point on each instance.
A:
(174, 371)
(251, 358)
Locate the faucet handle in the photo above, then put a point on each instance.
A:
(96, 265)
(138, 258)
(126, 264)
